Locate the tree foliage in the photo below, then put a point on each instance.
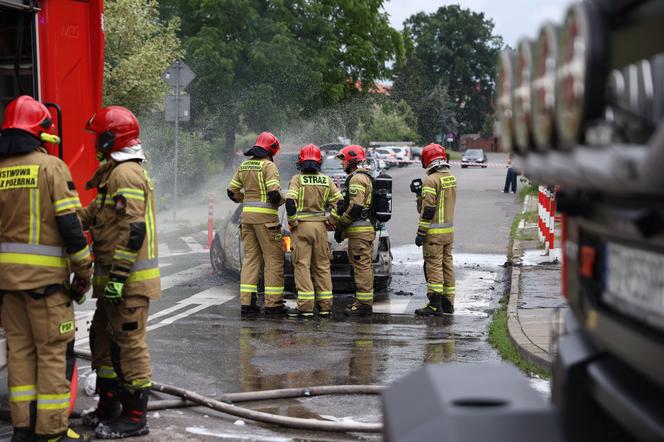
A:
(387, 121)
(451, 59)
(138, 49)
(261, 64)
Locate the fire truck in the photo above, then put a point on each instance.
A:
(582, 105)
(53, 50)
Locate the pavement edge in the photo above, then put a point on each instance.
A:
(523, 344)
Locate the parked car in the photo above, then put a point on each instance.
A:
(226, 255)
(402, 154)
(474, 157)
(388, 156)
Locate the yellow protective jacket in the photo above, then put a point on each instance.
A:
(436, 204)
(254, 184)
(124, 232)
(41, 240)
(356, 218)
(313, 194)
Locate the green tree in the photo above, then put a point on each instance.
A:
(387, 121)
(455, 50)
(262, 64)
(138, 49)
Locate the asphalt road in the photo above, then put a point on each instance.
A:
(198, 340)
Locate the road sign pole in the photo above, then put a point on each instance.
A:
(177, 135)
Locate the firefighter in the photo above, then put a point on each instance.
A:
(122, 223)
(353, 220)
(309, 195)
(41, 243)
(256, 186)
(435, 231)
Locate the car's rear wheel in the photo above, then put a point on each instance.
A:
(217, 256)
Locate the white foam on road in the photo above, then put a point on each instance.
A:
(411, 255)
(537, 257)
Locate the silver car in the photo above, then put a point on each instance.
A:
(226, 255)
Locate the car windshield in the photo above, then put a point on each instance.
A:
(473, 153)
(332, 165)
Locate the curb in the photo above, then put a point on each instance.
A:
(523, 344)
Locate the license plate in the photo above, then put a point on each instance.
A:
(635, 283)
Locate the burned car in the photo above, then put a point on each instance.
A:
(226, 255)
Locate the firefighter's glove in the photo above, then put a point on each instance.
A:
(113, 292)
(416, 186)
(79, 288)
(339, 233)
(419, 239)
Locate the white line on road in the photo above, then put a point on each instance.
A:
(194, 245)
(167, 282)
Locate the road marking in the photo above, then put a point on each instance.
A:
(167, 282)
(202, 300)
(194, 245)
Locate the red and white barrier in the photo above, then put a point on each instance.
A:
(546, 216)
(210, 219)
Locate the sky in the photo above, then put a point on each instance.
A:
(512, 18)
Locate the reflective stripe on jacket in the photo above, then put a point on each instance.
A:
(314, 193)
(438, 191)
(252, 182)
(36, 189)
(125, 198)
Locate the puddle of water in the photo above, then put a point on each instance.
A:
(202, 431)
(535, 257)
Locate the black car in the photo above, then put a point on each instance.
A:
(474, 157)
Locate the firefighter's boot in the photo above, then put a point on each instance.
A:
(278, 310)
(69, 436)
(323, 312)
(297, 313)
(109, 406)
(358, 309)
(448, 307)
(22, 435)
(252, 308)
(133, 420)
(433, 308)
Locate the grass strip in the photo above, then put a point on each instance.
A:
(499, 338)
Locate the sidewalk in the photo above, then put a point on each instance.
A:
(536, 304)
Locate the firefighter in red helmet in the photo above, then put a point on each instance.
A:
(353, 220)
(310, 194)
(41, 244)
(256, 185)
(435, 231)
(122, 223)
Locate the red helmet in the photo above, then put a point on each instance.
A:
(310, 152)
(116, 127)
(431, 153)
(351, 155)
(268, 142)
(26, 113)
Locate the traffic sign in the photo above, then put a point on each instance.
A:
(184, 107)
(171, 75)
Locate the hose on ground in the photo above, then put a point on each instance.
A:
(224, 406)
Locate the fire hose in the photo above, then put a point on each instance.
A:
(224, 404)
